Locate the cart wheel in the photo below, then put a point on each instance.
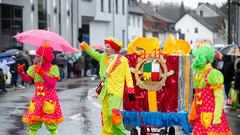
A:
(143, 131)
(162, 132)
(171, 131)
(134, 131)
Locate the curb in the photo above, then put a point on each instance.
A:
(59, 84)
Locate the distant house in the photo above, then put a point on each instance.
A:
(135, 21)
(204, 25)
(155, 25)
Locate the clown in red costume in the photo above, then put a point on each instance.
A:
(44, 106)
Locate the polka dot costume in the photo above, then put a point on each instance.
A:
(205, 100)
(44, 105)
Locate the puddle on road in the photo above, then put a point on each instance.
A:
(72, 86)
(17, 125)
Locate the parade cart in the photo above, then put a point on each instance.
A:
(163, 88)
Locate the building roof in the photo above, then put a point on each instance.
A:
(214, 8)
(149, 11)
(212, 23)
(134, 9)
(150, 18)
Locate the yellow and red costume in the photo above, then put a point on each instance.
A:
(114, 81)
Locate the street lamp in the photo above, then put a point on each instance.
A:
(236, 2)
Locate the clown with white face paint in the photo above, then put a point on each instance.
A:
(115, 72)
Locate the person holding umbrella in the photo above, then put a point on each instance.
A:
(44, 106)
(115, 72)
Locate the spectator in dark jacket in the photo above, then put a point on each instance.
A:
(228, 72)
(237, 77)
(2, 81)
(14, 73)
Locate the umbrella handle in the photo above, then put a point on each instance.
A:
(42, 53)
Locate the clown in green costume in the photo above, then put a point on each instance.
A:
(115, 72)
(207, 115)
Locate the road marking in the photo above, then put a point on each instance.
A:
(91, 97)
(77, 117)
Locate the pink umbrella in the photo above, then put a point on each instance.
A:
(38, 37)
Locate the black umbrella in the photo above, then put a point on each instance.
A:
(11, 52)
(229, 49)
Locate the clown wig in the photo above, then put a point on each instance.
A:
(203, 55)
(46, 51)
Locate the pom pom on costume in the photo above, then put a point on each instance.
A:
(38, 69)
(114, 43)
(21, 68)
(46, 51)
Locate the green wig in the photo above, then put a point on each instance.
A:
(203, 55)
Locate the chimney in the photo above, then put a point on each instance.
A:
(156, 8)
(199, 3)
(149, 3)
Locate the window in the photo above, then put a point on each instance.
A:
(201, 13)
(138, 21)
(155, 34)
(129, 20)
(102, 3)
(123, 38)
(179, 30)
(17, 13)
(42, 14)
(10, 25)
(196, 30)
(133, 21)
(109, 6)
(116, 3)
(123, 7)
(7, 11)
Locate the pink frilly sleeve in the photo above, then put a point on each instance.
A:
(50, 81)
(25, 77)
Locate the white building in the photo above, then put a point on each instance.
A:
(55, 15)
(202, 25)
(90, 20)
(110, 20)
(135, 22)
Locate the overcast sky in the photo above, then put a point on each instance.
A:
(190, 3)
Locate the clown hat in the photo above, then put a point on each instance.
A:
(114, 43)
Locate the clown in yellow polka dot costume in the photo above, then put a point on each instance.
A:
(115, 71)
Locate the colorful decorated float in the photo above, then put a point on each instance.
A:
(162, 84)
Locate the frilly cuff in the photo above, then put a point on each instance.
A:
(218, 86)
(130, 90)
(84, 46)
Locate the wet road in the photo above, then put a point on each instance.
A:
(80, 115)
(80, 108)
